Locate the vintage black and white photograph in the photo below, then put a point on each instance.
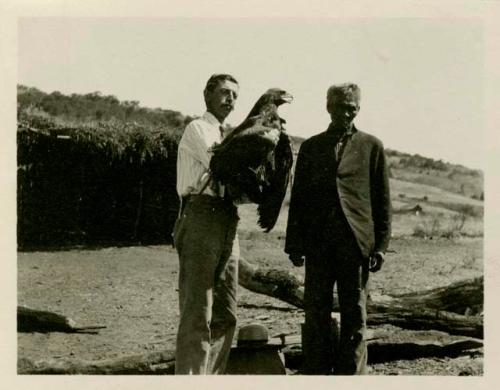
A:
(250, 196)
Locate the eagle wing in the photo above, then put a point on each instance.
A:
(241, 153)
(274, 192)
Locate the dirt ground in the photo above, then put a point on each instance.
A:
(132, 291)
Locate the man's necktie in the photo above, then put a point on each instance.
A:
(216, 186)
(340, 146)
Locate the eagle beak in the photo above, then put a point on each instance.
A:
(287, 98)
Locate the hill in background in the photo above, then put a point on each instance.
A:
(423, 170)
(77, 109)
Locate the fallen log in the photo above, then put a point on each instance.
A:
(380, 350)
(385, 350)
(272, 282)
(439, 308)
(154, 363)
(163, 363)
(31, 320)
(459, 297)
(418, 319)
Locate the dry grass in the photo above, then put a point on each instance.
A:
(437, 225)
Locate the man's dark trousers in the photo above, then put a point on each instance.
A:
(339, 261)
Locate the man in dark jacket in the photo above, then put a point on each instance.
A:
(339, 221)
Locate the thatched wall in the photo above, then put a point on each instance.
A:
(99, 184)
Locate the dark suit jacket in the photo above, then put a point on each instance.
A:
(362, 185)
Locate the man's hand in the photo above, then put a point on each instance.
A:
(297, 259)
(376, 262)
(272, 135)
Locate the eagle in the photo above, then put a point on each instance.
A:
(251, 165)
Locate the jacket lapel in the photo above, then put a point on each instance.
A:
(350, 157)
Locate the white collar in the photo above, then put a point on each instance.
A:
(210, 118)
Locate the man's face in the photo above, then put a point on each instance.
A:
(220, 101)
(343, 110)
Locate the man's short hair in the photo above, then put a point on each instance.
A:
(346, 90)
(214, 80)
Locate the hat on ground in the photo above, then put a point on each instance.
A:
(253, 334)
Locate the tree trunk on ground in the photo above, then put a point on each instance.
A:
(439, 308)
(275, 283)
(459, 297)
(386, 350)
(380, 350)
(419, 319)
(31, 320)
(147, 364)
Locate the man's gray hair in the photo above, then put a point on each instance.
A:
(346, 90)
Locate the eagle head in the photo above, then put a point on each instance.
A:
(273, 96)
(278, 96)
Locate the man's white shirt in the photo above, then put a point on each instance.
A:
(193, 157)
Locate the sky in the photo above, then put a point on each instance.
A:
(421, 78)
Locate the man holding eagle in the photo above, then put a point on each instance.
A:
(216, 172)
(211, 180)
